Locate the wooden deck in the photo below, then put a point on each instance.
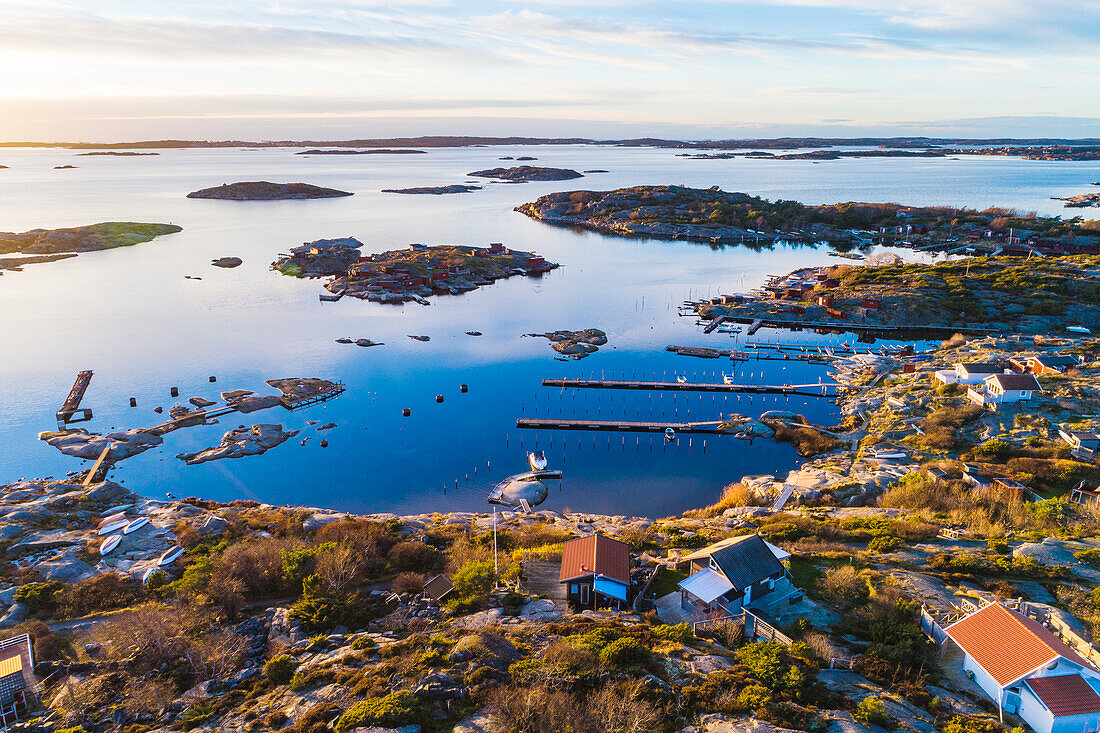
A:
(72, 403)
(706, 428)
(805, 390)
(542, 579)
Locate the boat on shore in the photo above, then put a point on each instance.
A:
(110, 544)
(113, 526)
(170, 556)
(135, 525)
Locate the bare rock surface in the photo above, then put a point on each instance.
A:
(240, 442)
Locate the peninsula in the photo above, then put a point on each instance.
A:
(718, 217)
(47, 245)
(524, 173)
(1081, 201)
(973, 295)
(415, 273)
(372, 151)
(266, 191)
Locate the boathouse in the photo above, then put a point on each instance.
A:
(596, 570)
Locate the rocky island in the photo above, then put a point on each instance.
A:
(240, 442)
(1081, 201)
(372, 151)
(435, 190)
(266, 191)
(818, 155)
(119, 153)
(415, 273)
(524, 173)
(719, 217)
(47, 245)
(575, 344)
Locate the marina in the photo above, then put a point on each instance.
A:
(804, 390)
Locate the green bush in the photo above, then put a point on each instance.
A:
(624, 652)
(37, 596)
(782, 531)
(883, 544)
(432, 658)
(972, 724)
(472, 582)
(280, 670)
(994, 450)
(363, 642)
(872, 710)
(397, 708)
(998, 545)
(595, 640)
(674, 632)
(754, 697)
(1090, 556)
(766, 660)
(197, 714)
(319, 609)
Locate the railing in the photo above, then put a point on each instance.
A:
(842, 663)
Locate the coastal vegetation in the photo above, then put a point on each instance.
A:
(266, 191)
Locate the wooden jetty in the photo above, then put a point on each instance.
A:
(875, 329)
(805, 390)
(704, 352)
(90, 476)
(71, 406)
(312, 399)
(714, 324)
(706, 428)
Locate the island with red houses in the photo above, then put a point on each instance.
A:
(414, 273)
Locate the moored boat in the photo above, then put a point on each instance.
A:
(135, 525)
(110, 544)
(170, 556)
(113, 526)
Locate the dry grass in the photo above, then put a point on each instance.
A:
(734, 495)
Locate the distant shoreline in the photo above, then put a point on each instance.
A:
(455, 141)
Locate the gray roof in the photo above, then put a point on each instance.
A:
(747, 562)
(1016, 382)
(982, 367)
(1057, 360)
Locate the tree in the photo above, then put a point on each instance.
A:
(340, 565)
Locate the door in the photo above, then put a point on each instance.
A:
(585, 591)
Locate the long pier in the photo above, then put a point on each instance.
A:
(72, 403)
(705, 352)
(805, 390)
(857, 328)
(707, 428)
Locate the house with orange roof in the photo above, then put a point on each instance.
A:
(596, 571)
(1028, 671)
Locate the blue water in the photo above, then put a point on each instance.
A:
(132, 317)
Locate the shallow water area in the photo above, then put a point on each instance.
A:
(131, 316)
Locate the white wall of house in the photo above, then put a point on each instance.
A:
(982, 678)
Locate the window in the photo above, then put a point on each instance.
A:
(574, 589)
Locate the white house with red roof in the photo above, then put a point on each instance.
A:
(1028, 671)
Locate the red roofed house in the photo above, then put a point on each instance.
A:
(1028, 671)
(17, 680)
(597, 570)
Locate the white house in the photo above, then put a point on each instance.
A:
(1003, 388)
(1028, 671)
(968, 373)
(734, 574)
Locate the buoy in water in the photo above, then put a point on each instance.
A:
(133, 402)
(175, 391)
(406, 412)
(439, 398)
(213, 379)
(463, 388)
(324, 443)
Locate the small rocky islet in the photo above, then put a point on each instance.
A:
(266, 191)
(372, 151)
(574, 344)
(1081, 201)
(435, 190)
(524, 173)
(398, 276)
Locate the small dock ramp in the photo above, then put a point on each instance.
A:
(96, 466)
(783, 497)
(71, 406)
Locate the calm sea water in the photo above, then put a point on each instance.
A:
(131, 316)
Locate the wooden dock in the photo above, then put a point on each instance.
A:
(71, 406)
(873, 329)
(313, 399)
(805, 390)
(622, 426)
(704, 352)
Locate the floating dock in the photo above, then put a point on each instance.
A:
(337, 389)
(704, 352)
(805, 390)
(870, 328)
(707, 428)
(71, 406)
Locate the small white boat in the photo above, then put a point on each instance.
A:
(1079, 329)
(727, 379)
(135, 525)
(110, 544)
(114, 526)
(670, 434)
(170, 556)
(536, 460)
(111, 519)
(885, 455)
(148, 574)
(681, 379)
(121, 509)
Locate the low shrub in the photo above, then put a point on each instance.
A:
(872, 710)
(280, 669)
(625, 652)
(884, 544)
(754, 697)
(397, 708)
(674, 632)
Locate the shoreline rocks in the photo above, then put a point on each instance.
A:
(435, 190)
(241, 442)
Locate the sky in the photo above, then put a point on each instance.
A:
(109, 70)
